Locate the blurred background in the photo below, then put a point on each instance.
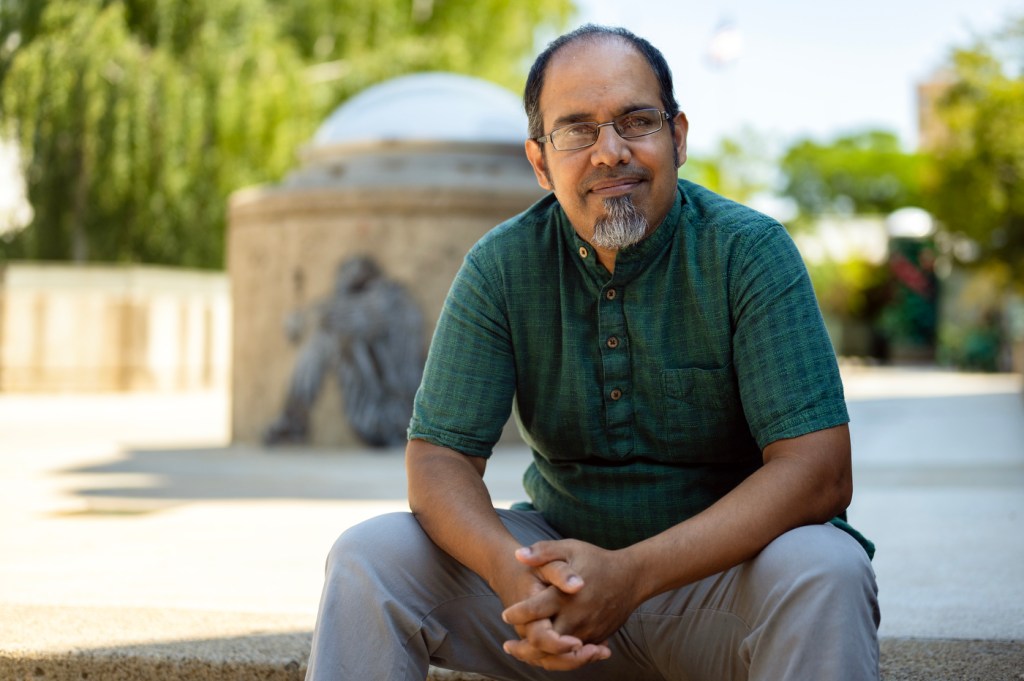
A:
(181, 179)
(888, 139)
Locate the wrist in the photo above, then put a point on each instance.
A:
(642, 570)
(505, 575)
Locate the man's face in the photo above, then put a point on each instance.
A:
(597, 81)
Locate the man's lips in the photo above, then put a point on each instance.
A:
(615, 185)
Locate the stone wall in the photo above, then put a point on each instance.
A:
(112, 328)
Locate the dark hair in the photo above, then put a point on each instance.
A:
(591, 32)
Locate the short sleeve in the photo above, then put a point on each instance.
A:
(785, 363)
(468, 384)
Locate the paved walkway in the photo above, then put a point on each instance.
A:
(129, 523)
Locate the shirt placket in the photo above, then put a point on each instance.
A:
(617, 380)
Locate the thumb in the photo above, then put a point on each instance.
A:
(552, 567)
(540, 553)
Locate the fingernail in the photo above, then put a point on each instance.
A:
(575, 581)
(525, 552)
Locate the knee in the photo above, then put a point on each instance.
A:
(817, 600)
(387, 540)
(821, 559)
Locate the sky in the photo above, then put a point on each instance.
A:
(795, 68)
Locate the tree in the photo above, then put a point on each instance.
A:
(137, 118)
(132, 148)
(976, 180)
(865, 172)
(740, 167)
(362, 42)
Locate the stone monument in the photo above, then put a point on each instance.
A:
(409, 173)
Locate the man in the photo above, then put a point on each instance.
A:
(670, 371)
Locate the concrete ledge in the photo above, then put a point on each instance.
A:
(107, 643)
(914, 659)
(118, 668)
(282, 657)
(60, 643)
(114, 666)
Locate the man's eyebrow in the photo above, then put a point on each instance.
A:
(569, 119)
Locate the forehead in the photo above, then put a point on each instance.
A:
(596, 79)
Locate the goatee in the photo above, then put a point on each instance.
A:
(622, 225)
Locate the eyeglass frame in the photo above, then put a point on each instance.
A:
(663, 116)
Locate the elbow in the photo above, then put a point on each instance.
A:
(835, 496)
(843, 495)
(820, 472)
(415, 471)
(834, 472)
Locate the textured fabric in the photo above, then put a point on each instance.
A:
(749, 623)
(647, 394)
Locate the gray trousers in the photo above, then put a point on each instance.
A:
(804, 609)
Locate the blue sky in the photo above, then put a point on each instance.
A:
(804, 68)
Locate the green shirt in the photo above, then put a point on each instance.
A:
(647, 394)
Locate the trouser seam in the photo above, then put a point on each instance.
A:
(688, 611)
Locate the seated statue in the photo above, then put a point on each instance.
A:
(369, 334)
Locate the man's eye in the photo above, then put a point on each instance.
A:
(635, 122)
(578, 131)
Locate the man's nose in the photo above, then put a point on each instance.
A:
(609, 149)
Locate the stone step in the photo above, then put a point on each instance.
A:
(281, 657)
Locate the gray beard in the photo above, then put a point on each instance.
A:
(622, 226)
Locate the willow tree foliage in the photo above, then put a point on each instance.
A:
(137, 118)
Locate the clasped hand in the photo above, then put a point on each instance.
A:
(582, 595)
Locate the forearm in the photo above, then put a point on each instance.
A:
(449, 499)
(800, 484)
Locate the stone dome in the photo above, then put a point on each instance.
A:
(427, 107)
(423, 130)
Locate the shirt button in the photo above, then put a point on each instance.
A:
(583, 252)
(613, 342)
(615, 394)
(610, 294)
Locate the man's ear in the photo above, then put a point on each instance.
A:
(539, 161)
(682, 127)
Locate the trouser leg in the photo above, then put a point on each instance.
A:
(821, 623)
(393, 603)
(804, 609)
(383, 578)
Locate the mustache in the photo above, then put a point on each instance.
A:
(597, 177)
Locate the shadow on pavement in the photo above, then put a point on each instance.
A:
(963, 440)
(245, 473)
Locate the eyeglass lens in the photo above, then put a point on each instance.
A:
(632, 124)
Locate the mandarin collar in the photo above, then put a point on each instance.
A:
(630, 262)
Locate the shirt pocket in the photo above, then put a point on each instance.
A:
(702, 419)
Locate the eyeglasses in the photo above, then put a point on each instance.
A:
(629, 125)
